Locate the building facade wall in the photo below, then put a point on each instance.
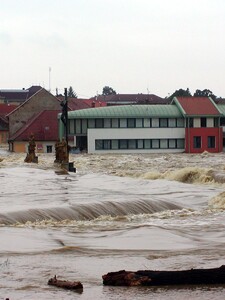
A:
(19, 147)
(134, 133)
(204, 133)
(3, 136)
(42, 100)
(41, 147)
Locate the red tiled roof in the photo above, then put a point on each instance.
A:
(6, 109)
(198, 106)
(75, 103)
(44, 126)
(93, 103)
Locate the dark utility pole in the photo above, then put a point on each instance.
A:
(66, 111)
(64, 116)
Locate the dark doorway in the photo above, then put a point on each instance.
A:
(81, 142)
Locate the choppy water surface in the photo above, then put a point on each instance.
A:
(132, 212)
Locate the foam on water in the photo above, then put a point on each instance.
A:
(206, 168)
(218, 202)
(109, 222)
(190, 175)
(86, 211)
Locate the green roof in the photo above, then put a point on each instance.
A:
(221, 108)
(127, 111)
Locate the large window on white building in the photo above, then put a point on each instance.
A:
(132, 144)
(147, 123)
(131, 123)
(99, 123)
(78, 126)
(115, 144)
(140, 144)
(172, 123)
(123, 123)
(91, 123)
(180, 122)
(123, 144)
(71, 127)
(163, 143)
(84, 126)
(139, 123)
(145, 144)
(172, 143)
(99, 145)
(163, 122)
(155, 122)
(115, 123)
(180, 143)
(107, 123)
(155, 144)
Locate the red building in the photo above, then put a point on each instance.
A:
(202, 119)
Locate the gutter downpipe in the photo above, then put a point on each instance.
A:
(189, 138)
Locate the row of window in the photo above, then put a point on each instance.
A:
(139, 144)
(211, 142)
(79, 126)
(203, 122)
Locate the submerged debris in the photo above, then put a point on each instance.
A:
(70, 285)
(160, 278)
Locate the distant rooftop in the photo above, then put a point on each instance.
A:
(131, 99)
(17, 95)
(75, 103)
(13, 91)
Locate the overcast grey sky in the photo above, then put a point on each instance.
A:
(134, 46)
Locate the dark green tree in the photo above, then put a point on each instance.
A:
(107, 90)
(71, 93)
(205, 93)
(181, 93)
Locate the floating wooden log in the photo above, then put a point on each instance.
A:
(70, 285)
(159, 278)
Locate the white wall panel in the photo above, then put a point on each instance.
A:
(134, 133)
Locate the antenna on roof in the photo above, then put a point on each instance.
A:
(49, 77)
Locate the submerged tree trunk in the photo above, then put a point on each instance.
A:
(70, 285)
(158, 278)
